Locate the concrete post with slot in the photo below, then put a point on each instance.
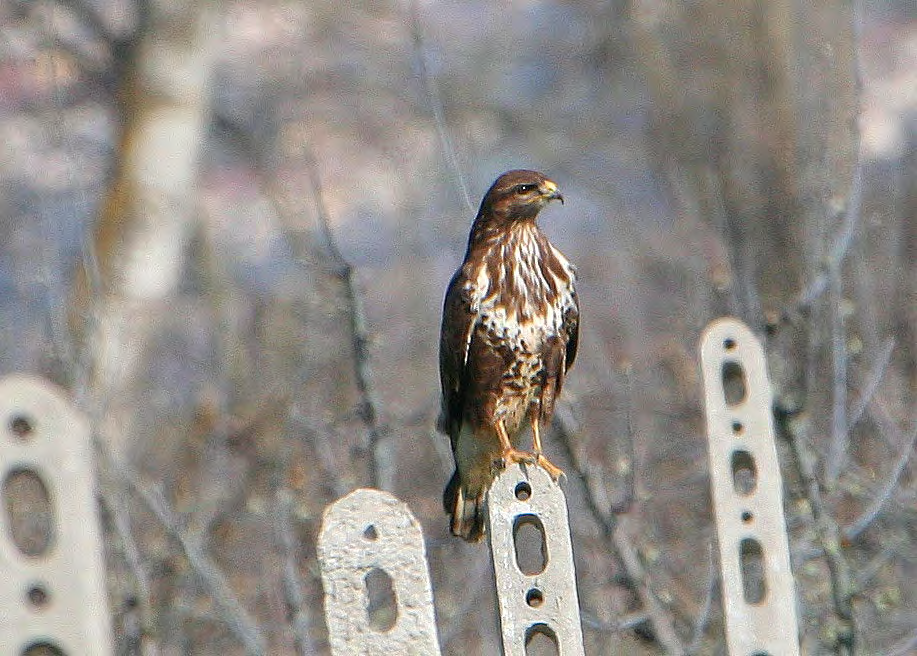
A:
(759, 598)
(538, 598)
(52, 591)
(371, 533)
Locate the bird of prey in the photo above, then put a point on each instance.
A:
(509, 335)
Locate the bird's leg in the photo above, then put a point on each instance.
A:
(554, 471)
(508, 453)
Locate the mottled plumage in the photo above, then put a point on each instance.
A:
(509, 335)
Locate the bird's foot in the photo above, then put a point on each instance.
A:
(554, 471)
(514, 456)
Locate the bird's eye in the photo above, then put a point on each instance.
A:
(525, 188)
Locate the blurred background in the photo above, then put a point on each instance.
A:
(226, 229)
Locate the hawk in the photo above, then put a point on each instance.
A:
(509, 335)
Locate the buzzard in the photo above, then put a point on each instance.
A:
(509, 334)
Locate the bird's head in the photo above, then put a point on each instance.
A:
(519, 195)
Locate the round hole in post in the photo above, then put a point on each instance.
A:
(530, 544)
(729, 344)
(382, 604)
(734, 388)
(541, 640)
(523, 491)
(370, 533)
(29, 512)
(534, 598)
(738, 427)
(747, 517)
(22, 427)
(38, 596)
(43, 648)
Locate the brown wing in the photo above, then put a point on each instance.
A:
(571, 328)
(559, 354)
(455, 336)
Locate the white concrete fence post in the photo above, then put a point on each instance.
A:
(759, 599)
(529, 535)
(371, 543)
(52, 591)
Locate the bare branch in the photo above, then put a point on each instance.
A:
(663, 628)
(700, 624)
(625, 623)
(596, 497)
(380, 468)
(319, 435)
(837, 449)
(121, 522)
(828, 536)
(88, 16)
(865, 574)
(840, 246)
(436, 104)
(630, 492)
(904, 647)
(293, 595)
(869, 515)
(455, 621)
(880, 366)
(227, 604)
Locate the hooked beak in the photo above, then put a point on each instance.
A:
(549, 191)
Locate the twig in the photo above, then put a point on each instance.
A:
(121, 522)
(231, 610)
(630, 492)
(625, 623)
(703, 617)
(567, 433)
(436, 104)
(880, 366)
(320, 435)
(473, 579)
(664, 630)
(865, 574)
(866, 518)
(904, 647)
(379, 469)
(842, 241)
(828, 535)
(293, 595)
(837, 448)
(83, 11)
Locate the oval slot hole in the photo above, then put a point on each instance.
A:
(29, 513)
(540, 640)
(382, 605)
(751, 561)
(733, 382)
(531, 547)
(744, 473)
(43, 649)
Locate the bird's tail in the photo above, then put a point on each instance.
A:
(466, 513)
